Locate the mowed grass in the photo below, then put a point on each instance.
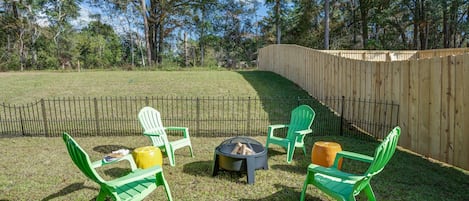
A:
(27, 87)
(38, 168)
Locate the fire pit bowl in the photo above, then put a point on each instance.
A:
(225, 157)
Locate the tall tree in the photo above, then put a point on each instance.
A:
(59, 13)
(326, 24)
(277, 8)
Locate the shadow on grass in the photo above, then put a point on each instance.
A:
(285, 193)
(273, 152)
(105, 149)
(69, 189)
(280, 96)
(117, 172)
(198, 168)
(205, 168)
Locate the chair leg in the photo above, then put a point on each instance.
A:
(290, 152)
(102, 195)
(170, 153)
(190, 149)
(172, 160)
(305, 186)
(160, 180)
(304, 150)
(369, 193)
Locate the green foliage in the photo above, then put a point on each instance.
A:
(12, 63)
(40, 35)
(98, 46)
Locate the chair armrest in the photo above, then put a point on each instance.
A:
(353, 156)
(185, 130)
(304, 132)
(175, 128)
(333, 172)
(127, 157)
(139, 174)
(276, 126)
(153, 132)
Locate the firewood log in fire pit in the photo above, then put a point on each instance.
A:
(242, 149)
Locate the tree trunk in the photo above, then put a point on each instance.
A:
(21, 49)
(202, 39)
(147, 35)
(277, 20)
(160, 44)
(326, 25)
(354, 22)
(154, 41)
(453, 23)
(364, 20)
(415, 43)
(186, 51)
(423, 25)
(446, 35)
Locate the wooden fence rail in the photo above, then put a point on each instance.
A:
(433, 92)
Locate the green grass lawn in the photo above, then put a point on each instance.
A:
(38, 168)
(27, 87)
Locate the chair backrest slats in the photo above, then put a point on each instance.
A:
(150, 119)
(302, 118)
(81, 158)
(383, 154)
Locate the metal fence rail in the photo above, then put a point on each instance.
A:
(205, 116)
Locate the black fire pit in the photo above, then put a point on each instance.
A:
(224, 159)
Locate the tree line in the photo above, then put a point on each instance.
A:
(45, 34)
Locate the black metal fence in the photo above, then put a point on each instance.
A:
(205, 116)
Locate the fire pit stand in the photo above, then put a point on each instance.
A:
(224, 159)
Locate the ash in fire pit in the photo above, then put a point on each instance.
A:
(240, 154)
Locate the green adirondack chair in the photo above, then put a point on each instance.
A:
(150, 119)
(300, 124)
(134, 186)
(345, 186)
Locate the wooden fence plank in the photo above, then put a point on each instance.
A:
(423, 107)
(461, 148)
(447, 108)
(414, 105)
(405, 139)
(434, 108)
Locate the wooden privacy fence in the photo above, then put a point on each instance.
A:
(431, 88)
(385, 55)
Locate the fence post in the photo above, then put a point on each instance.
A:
(96, 115)
(44, 117)
(197, 116)
(146, 101)
(342, 116)
(21, 119)
(249, 116)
